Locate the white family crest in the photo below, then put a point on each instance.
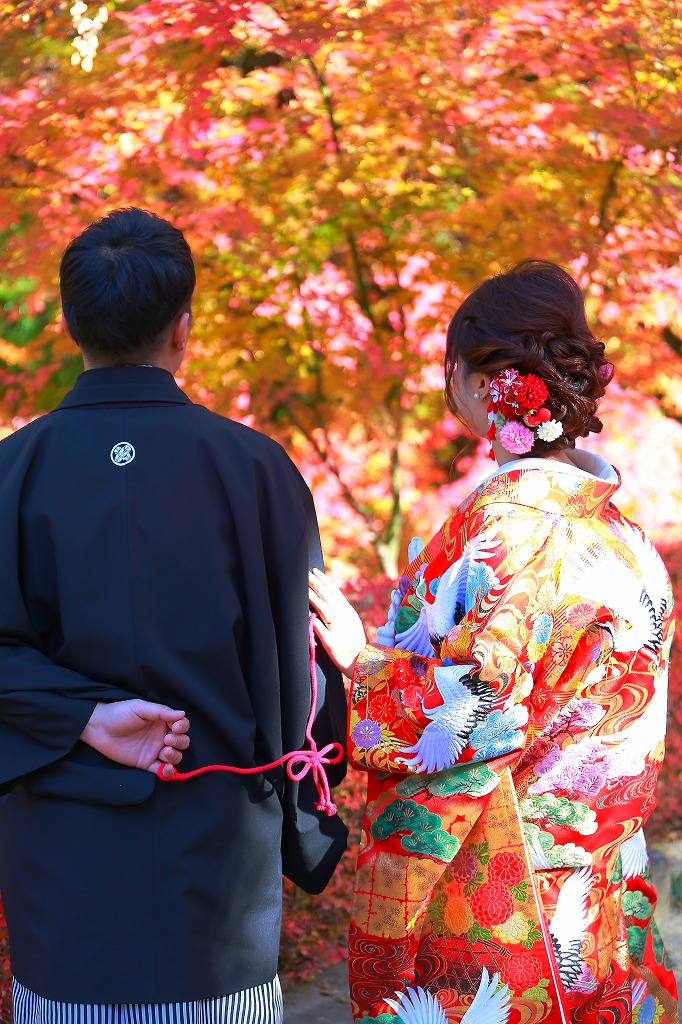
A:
(122, 453)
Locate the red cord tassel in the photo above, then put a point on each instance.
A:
(310, 760)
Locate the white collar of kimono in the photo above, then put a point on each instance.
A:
(585, 464)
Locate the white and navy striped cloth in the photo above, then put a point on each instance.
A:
(261, 1005)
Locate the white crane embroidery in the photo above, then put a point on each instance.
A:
(466, 701)
(568, 925)
(491, 1005)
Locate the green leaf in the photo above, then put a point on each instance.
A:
(537, 992)
(478, 934)
(520, 891)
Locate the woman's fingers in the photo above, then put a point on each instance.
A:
(325, 587)
(319, 599)
(322, 631)
(316, 597)
(325, 597)
(321, 607)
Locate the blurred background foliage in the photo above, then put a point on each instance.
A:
(344, 171)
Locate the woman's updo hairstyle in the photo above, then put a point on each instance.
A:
(532, 318)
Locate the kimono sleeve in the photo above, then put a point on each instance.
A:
(490, 616)
(43, 705)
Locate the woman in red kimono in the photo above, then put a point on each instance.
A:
(511, 713)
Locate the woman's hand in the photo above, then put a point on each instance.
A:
(337, 624)
(138, 733)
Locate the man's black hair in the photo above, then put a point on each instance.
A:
(124, 280)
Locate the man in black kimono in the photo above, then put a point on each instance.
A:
(152, 551)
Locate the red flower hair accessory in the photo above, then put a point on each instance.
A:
(516, 412)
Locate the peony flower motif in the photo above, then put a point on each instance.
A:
(516, 438)
(550, 431)
(521, 971)
(581, 614)
(366, 734)
(506, 868)
(514, 930)
(458, 915)
(464, 866)
(650, 1012)
(492, 904)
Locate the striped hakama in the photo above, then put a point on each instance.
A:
(260, 1005)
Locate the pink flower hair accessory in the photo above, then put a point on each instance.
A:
(516, 437)
(516, 412)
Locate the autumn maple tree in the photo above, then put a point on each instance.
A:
(344, 171)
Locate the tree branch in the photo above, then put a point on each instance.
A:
(363, 296)
(608, 194)
(329, 104)
(388, 544)
(673, 340)
(327, 459)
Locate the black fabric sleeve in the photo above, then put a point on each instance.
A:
(43, 706)
(312, 841)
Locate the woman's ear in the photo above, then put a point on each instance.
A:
(482, 389)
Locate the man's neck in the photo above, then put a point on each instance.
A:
(93, 363)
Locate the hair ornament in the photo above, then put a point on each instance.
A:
(516, 412)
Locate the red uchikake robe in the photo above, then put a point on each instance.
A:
(512, 729)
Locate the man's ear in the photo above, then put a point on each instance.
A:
(180, 332)
(67, 329)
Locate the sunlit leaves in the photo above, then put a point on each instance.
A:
(344, 172)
